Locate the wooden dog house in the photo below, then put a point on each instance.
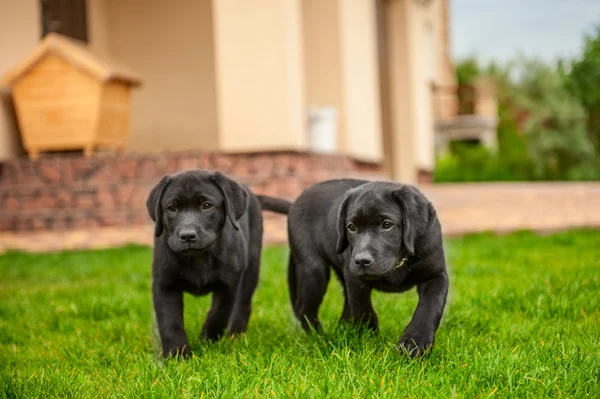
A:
(69, 98)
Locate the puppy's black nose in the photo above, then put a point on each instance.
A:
(188, 236)
(363, 260)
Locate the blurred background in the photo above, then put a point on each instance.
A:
(100, 98)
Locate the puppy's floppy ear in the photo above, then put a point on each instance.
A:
(342, 242)
(153, 204)
(235, 196)
(417, 215)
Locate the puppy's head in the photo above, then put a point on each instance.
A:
(379, 223)
(192, 208)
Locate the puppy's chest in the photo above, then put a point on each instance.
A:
(201, 279)
(398, 281)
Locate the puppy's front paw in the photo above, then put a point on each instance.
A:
(416, 345)
(177, 351)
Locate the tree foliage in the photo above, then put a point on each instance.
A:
(584, 82)
(556, 127)
(544, 124)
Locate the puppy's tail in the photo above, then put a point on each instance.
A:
(277, 205)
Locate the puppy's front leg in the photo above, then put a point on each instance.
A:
(168, 306)
(358, 297)
(218, 315)
(420, 332)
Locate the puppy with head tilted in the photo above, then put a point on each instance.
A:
(208, 237)
(375, 235)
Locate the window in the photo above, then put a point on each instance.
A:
(67, 17)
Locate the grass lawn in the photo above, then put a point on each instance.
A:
(523, 320)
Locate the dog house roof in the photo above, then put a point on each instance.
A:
(77, 54)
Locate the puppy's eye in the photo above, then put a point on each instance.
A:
(206, 205)
(387, 225)
(351, 227)
(171, 208)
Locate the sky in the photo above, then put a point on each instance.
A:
(500, 29)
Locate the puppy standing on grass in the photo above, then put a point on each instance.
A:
(208, 238)
(376, 235)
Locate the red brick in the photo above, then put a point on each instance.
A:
(69, 221)
(288, 187)
(424, 177)
(79, 222)
(11, 204)
(23, 224)
(105, 197)
(28, 175)
(141, 218)
(223, 163)
(127, 168)
(147, 169)
(259, 189)
(84, 199)
(172, 165)
(269, 188)
(123, 193)
(138, 196)
(114, 219)
(282, 165)
(63, 198)
(103, 174)
(38, 223)
(49, 172)
(6, 224)
(188, 163)
(83, 168)
(59, 224)
(8, 174)
(67, 172)
(262, 164)
(205, 161)
(298, 164)
(46, 200)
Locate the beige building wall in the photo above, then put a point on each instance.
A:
(323, 59)
(260, 84)
(446, 99)
(418, 52)
(361, 80)
(340, 47)
(402, 99)
(170, 44)
(423, 23)
(203, 90)
(20, 31)
(98, 25)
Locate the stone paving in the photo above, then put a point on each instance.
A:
(462, 208)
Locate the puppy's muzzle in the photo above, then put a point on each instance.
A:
(363, 260)
(188, 236)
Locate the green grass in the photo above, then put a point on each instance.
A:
(522, 321)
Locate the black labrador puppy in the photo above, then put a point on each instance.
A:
(376, 235)
(208, 238)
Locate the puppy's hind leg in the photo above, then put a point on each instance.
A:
(312, 278)
(293, 283)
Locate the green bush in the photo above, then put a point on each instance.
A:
(556, 128)
(583, 80)
(552, 145)
(474, 163)
(467, 70)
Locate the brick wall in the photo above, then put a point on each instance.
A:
(61, 192)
